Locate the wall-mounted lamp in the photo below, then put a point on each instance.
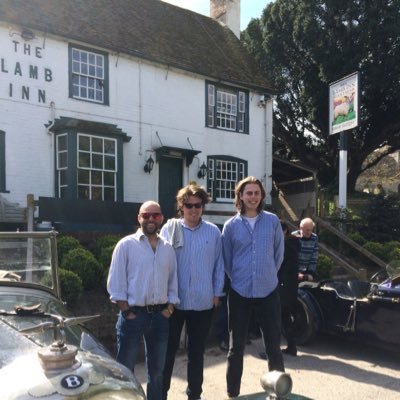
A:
(149, 164)
(202, 171)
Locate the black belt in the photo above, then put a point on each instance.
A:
(152, 308)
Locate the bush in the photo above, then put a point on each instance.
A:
(71, 286)
(394, 254)
(324, 267)
(66, 244)
(357, 237)
(377, 249)
(85, 265)
(382, 218)
(103, 242)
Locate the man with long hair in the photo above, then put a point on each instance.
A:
(253, 249)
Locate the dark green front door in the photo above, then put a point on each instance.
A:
(170, 181)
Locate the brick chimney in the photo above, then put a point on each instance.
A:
(227, 12)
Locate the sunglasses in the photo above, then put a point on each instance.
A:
(191, 205)
(147, 215)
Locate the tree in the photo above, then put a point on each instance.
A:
(304, 45)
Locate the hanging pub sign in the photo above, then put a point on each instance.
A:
(344, 104)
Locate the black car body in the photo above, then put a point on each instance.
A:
(366, 311)
(44, 351)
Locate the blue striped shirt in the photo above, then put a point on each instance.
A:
(308, 254)
(253, 257)
(200, 266)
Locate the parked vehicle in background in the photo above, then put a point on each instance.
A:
(45, 352)
(366, 311)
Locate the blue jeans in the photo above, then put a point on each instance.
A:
(154, 327)
(268, 313)
(198, 325)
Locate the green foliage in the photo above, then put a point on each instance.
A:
(302, 46)
(377, 249)
(64, 245)
(85, 265)
(105, 259)
(357, 237)
(104, 242)
(324, 267)
(382, 219)
(71, 286)
(394, 254)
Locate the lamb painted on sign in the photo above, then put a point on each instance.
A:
(343, 105)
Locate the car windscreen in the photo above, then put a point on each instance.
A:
(26, 260)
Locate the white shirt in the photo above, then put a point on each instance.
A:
(141, 276)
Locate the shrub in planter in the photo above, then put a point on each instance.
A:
(71, 286)
(324, 267)
(377, 249)
(66, 244)
(103, 242)
(85, 265)
(357, 237)
(394, 254)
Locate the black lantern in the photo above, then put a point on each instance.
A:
(149, 165)
(202, 171)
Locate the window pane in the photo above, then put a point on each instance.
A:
(97, 178)
(84, 143)
(97, 193)
(84, 160)
(97, 161)
(97, 145)
(83, 176)
(83, 192)
(109, 179)
(109, 163)
(109, 194)
(62, 142)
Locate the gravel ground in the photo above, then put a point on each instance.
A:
(329, 369)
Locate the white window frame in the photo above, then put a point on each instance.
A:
(88, 75)
(223, 175)
(94, 171)
(227, 108)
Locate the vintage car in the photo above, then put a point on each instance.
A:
(45, 352)
(366, 311)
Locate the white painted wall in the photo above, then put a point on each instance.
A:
(145, 98)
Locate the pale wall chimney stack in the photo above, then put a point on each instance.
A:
(227, 12)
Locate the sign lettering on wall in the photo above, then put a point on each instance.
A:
(21, 71)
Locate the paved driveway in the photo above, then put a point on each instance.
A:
(329, 369)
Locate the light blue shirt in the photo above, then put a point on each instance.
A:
(200, 265)
(253, 256)
(141, 276)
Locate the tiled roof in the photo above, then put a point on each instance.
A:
(149, 29)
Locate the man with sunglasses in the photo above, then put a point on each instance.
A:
(198, 250)
(143, 282)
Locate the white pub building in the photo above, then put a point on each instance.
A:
(105, 104)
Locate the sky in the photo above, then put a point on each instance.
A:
(248, 8)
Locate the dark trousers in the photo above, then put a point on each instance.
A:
(268, 313)
(288, 325)
(197, 325)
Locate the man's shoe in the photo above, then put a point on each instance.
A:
(290, 350)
